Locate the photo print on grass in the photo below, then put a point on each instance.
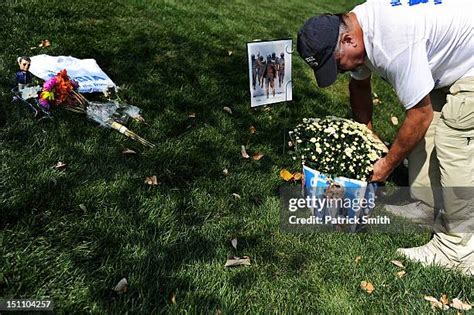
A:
(269, 64)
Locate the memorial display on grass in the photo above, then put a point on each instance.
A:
(60, 91)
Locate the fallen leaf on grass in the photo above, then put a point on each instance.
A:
(286, 175)
(252, 130)
(236, 196)
(237, 261)
(152, 180)
(172, 298)
(244, 153)
(367, 287)
(44, 43)
(258, 156)
(122, 286)
(460, 305)
(358, 259)
(234, 243)
(228, 110)
(435, 303)
(128, 151)
(394, 120)
(297, 176)
(444, 299)
(192, 115)
(375, 99)
(60, 165)
(225, 172)
(229, 52)
(398, 263)
(401, 274)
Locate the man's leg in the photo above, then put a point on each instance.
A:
(423, 167)
(423, 173)
(453, 244)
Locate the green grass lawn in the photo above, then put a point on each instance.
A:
(72, 235)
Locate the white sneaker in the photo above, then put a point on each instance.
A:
(437, 253)
(418, 212)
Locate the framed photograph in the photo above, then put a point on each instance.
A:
(269, 64)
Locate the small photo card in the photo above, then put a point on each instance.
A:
(270, 72)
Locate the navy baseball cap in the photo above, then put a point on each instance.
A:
(316, 42)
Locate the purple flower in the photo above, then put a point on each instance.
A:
(44, 103)
(48, 85)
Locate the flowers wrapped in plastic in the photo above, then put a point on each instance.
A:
(338, 156)
(61, 91)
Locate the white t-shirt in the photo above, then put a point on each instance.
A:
(417, 47)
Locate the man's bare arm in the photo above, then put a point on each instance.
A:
(361, 101)
(412, 131)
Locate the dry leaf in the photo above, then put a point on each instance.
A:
(192, 115)
(225, 172)
(60, 165)
(234, 243)
(258, 156)
(122, 286)
(237, 261)
(444, 299)
(287, 176)
(376, 101)
(435, 303)
(172, 298)
(227, 109)
(460, 305)
(152, 180)
(236, 196)
(401, 274)
(394, 120)
(128, 151)
(229, 52)
(244, 153)
(44, 43)
(367, 287)
(358, 259)
(297, 176)
(398, 263)
(252, 130)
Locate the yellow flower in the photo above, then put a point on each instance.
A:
(47, 95)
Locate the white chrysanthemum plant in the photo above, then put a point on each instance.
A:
(337, 154)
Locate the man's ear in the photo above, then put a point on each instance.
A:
(348, 39)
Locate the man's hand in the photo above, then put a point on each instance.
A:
(382, 169)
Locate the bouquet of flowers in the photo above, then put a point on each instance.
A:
(61, 91)
(338, 156)
(337, 147)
